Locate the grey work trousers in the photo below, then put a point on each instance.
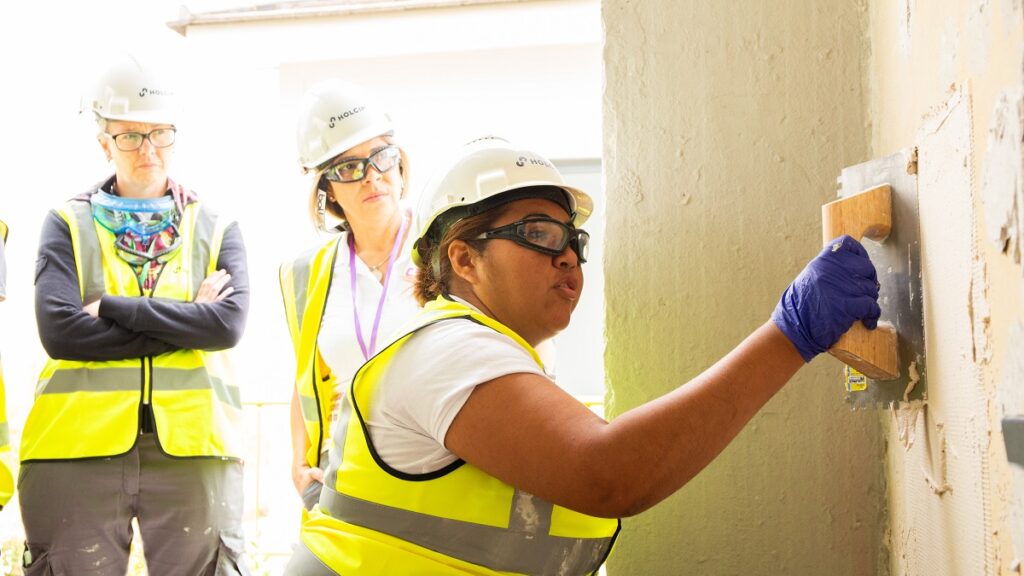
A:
(77, 514)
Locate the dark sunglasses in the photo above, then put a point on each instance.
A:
(355, 169)
(545, 235)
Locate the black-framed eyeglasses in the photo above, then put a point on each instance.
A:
(128, 141)
(355, 169)
(545, 235)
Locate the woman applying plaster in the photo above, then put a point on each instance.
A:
(511, 474)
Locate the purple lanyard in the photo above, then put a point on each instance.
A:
(383, 294)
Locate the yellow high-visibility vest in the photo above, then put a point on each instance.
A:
(373, 519)
(6, 478)
(91, 409)
(305, 282)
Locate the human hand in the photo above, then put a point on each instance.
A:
(214, 288)
(181, 196)
(92, 309)
(834, 290)
(303, 475)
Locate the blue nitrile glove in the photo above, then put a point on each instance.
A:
(834, 290)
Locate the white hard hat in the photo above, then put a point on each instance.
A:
(488, 172)
(333, 117)
(132, 91)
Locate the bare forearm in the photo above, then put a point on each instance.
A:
(526, 431)
(653, 450)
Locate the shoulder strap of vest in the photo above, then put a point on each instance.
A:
(445, 307)
(77, 212)
(3, 231)
(207, 234)
(300, 276)
(438, 310)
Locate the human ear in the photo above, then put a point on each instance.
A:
(463, 258)
(105, 146)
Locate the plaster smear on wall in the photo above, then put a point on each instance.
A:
(904, 11)
(1011, 10)
(942, 479)
(980, 311)
(979, 25)
(1003, 193)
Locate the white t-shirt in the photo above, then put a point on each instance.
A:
(428, 382)
(338, 342)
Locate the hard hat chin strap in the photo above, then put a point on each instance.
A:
(321, 209)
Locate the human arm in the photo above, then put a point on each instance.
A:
(525, 431)
(302, 473)
(201, 325)
(66, 330)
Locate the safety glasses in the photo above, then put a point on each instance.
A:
(355, 169)
(129, 141)
(545, 235)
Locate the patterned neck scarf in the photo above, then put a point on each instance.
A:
(146, 232)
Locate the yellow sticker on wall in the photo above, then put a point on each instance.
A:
(855, 381)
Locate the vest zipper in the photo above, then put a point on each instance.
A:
(147, 421)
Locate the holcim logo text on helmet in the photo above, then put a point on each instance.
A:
(533, 160)
(147, 92)
(344, 115)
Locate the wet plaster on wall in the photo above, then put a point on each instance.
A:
(938, 478)
(980, 311)
(1003, 192)
(979, 43)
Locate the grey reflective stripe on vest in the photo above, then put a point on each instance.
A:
(5, 434)
(195, 379)
(92, 380)
(127, 380)
(202, 244)
(500, 549)
(90, 255)
(308, 404)
(336, 453)
(300, 281)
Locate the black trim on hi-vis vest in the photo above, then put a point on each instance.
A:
(366, 432)
(298, 321)
(316, 388)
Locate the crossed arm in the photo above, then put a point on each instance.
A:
(128, 327)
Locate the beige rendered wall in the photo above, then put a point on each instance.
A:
(725, 127)
(946, 77)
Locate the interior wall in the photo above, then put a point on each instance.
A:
(946, 78)
(725, 129)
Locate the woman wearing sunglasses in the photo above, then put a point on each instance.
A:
(511, 475)
(136, 413)
(342, 297)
